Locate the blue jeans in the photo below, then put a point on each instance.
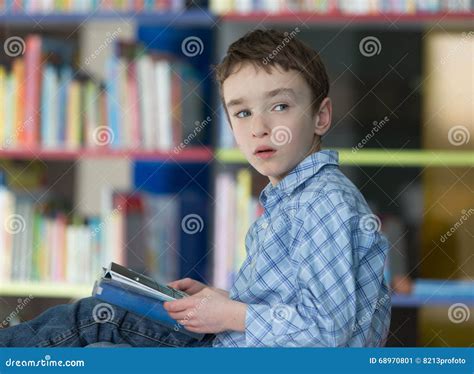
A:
(78, 325)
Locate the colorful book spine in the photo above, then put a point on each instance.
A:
(30, 134)
(3, 99)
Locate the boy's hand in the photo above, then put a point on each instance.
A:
(208, 311)
(191, 286)
(188, 285)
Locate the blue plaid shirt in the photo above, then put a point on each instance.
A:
(313, 275)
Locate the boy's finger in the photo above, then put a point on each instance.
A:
(178, 316)
(180, 284)
(178, 305)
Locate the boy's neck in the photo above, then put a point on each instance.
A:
(316, 147)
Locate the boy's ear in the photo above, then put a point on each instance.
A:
(322, 118)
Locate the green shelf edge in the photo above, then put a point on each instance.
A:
(40, 289)
(376, 157)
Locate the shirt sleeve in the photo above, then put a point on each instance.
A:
(322, 242)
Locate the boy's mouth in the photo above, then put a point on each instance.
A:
(264, 152)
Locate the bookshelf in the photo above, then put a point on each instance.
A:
(196, 154)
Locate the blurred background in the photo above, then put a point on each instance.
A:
(114, 145)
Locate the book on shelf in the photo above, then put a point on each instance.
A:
(84, 6)
(45, 242)
(235, 211)
(139, 294)
(341, 6)
(148, 100)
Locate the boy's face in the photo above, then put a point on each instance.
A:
(273, 111)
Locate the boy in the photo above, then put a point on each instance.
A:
(313, 275)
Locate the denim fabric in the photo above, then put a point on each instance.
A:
(81, 324)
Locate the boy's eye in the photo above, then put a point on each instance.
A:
(242, 114)
(280, 107)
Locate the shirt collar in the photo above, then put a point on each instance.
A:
(307, 168)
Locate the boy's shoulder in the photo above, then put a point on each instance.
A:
(330, 184)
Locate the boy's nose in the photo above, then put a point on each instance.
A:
(259, 126)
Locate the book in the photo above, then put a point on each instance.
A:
(139, 294)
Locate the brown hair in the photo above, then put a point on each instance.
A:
(267, 48)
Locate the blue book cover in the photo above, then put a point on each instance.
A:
(151, 308)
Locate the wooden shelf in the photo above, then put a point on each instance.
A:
(196, 154)
(381, 157)
(53, 290)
